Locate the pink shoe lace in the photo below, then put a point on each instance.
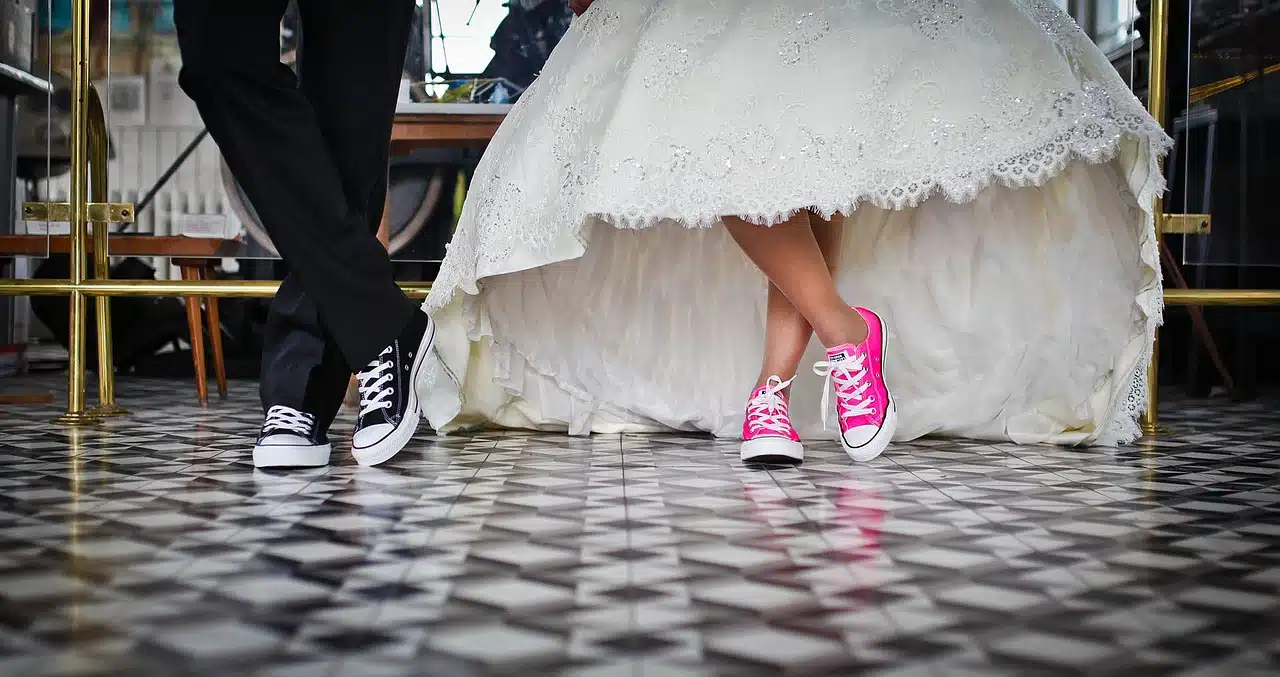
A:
(867, 413)
(767, 414)
(854, 373)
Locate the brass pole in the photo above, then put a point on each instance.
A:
(1222, 297)
(218, 288)
(80, 82)
(98, 157)
(1156, 87)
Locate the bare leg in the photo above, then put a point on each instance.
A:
(786, 332)
(790, 256)
(827, 232)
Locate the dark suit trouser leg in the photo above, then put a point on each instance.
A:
(312, 158)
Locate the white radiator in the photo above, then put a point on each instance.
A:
(191, 203)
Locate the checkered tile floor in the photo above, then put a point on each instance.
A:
(150, 546)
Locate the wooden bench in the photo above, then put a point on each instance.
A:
(195, 257)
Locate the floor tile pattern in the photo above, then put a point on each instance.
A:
(150, 546)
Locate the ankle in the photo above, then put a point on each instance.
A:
(845, 328)
(764, 377)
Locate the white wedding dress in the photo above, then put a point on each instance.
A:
(995, 171)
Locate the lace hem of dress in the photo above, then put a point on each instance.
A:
(1152, 144)
(1125, 427)
(907, 189)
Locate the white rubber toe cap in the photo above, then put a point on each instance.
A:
(867, 442)
(371, 435)
(772, 450)
(289, 451)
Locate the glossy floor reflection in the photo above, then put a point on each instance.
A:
(150, 546)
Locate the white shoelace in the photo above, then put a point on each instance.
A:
(768, 410)
(851, 384)
(372, 384)
(280, 417)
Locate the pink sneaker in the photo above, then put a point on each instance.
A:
(868, 416)
(767, 434)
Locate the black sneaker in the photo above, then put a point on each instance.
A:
(289, 439)
(389, 412)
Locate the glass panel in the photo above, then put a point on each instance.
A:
(31, 141)
(1224, 87)
(35, 120)
(1114, 23)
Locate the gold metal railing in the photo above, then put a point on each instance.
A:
(220, 288)
(99, 136)
(81, 86)
(89, 214)
(89, 179)
(1157, 87)
(89, 143)
(1157, 105)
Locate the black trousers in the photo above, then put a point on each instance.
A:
(311, 153)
